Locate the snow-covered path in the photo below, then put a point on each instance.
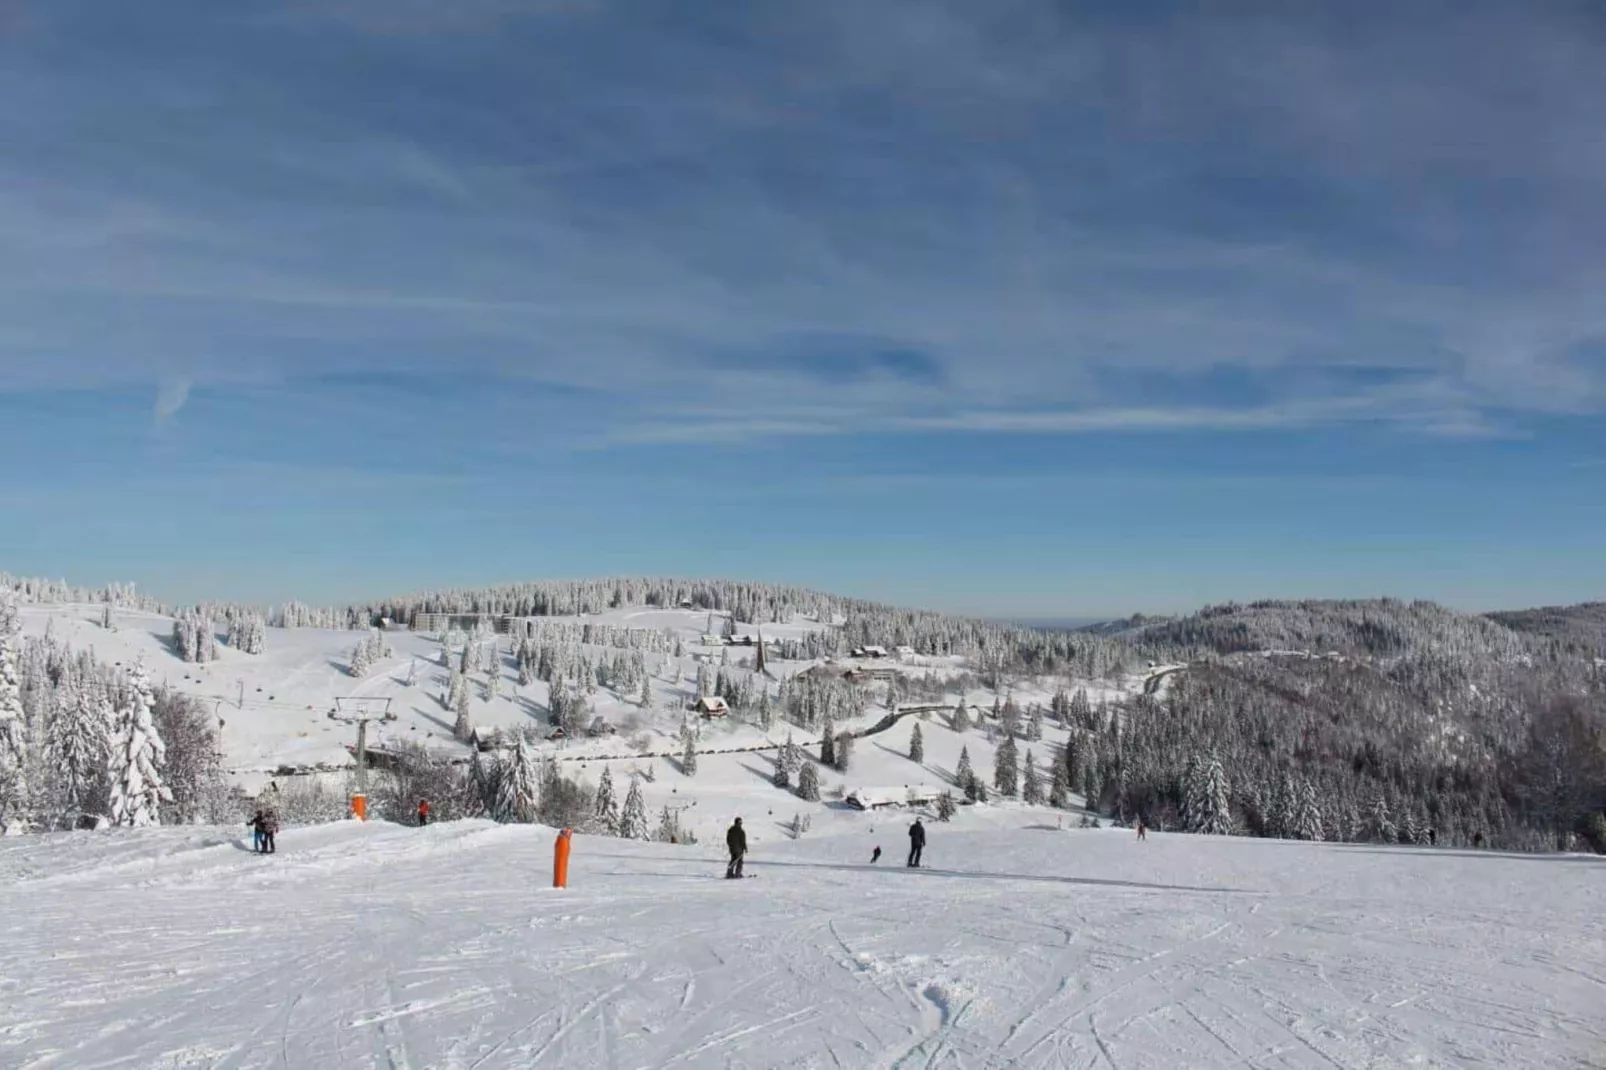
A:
(379, 946)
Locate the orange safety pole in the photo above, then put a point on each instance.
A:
(560, 860)
(359, 806)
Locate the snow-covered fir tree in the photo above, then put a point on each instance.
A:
(247, 632)
(606, 807)
(463, 727)
(946, 806)
(828, 744)
(842, 752)
(1307, 814)
(361, 660)
(688, 749)
(961, 718)
(917, 746)
(1059, 788)
(633, 819)
(1207, 801)
(644, 700)
(13, 720)
(137, 754)
(78, 746)
(1034, 723)
(785, 763)
(1380, 824)
(808, 782)
(964, 775)
(518, 786)
(1006, 767)
(493, 685)
(1032, 783)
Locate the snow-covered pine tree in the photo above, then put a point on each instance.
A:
(1209, 799)
(1031, 784)
(1410, 829)
(1006, 767)
(137, 791)
(1034, 723)
(842, 753)
(688, 749)
(645, 700)
(963, 773)
(518, 786)
(828, 744)
(463, 727)
(361, 660)
(1081, 710)
(1059, 788)
(606, 807)
(493, 686)
(633, 819)
(13, 719)
(961, 717)
(808, 782)
(945, 806)
(917, 745)
(1307, 814)
(78, 747)
(1380, 824)
(1283, 801)
(783, 765)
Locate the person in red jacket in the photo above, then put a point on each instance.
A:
(423, 812)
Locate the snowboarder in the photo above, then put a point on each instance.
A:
(875, 856)
(423, 812)
(1143, 830)
(256, 825)
(917, 843)
(736, 840)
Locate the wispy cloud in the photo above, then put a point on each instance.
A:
(170, 398)
(826, 218)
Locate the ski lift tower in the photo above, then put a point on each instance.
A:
(360, 711)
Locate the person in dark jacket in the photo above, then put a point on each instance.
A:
(256, 824)
(267, 823)
(736, 840)
(917, 843)
(875, 856)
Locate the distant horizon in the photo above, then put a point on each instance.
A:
(1069, 621)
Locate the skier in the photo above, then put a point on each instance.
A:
(1433, 837)
(423, 812)
(876, 855)
(736, 840)
(1143, 830)
(269, 825)
(917, 843)
(256, 825)
(1477, 839)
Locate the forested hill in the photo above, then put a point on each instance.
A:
(1374, 628)
(1580, 628)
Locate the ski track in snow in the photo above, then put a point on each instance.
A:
(380, 946)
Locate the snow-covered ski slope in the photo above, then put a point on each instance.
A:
(382, 946)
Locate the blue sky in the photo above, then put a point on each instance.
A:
(1018, 308)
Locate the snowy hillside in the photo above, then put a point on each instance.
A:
(382, 946)
(274, 707)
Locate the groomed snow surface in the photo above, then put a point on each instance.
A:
(383, 946)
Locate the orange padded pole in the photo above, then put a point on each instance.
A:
(560, 860)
